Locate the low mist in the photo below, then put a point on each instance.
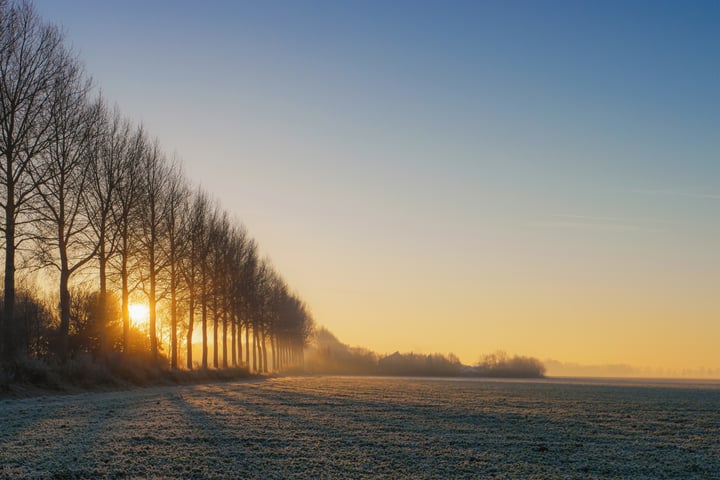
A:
(620, 370)
(328, 355)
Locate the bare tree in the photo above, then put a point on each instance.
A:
(261, 311)
(63, 215)
(125, 220)
(197, 270)
(248, 293)
(238, 250)
(292, 331)
(111, 151)
(153, 204)
(175, 226)
(218, 240)
(277, 293)
(32, 56)
(88, 187)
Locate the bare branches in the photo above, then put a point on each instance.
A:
(32, 60)
(90, 193)
(61, 176)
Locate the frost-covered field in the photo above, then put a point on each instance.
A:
(340, 427)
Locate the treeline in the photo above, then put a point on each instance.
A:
(500, 364)
(90, 202)
(327, 355)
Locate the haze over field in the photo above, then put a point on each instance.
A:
(536, 177)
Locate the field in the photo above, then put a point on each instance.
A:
(344, 427)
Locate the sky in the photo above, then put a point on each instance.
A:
(541, 178)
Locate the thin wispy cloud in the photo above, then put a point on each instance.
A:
(600, 223)
(689, 193)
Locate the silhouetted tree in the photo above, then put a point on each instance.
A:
(63, 215)
(88, 187)
(175, 225)
(125, 215)
(32, 56)
(292, 330)
(196, 270)
(111, 151)
(500, 364)
(153, 205)
(257, 297)
(238, 255)
(247, 294)
(219, 242)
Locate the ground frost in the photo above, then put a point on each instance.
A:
(340, 427)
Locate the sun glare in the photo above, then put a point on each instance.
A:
(139, 314)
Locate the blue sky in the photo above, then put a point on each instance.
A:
(549, 168)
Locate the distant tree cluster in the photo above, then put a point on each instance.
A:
(500, 364)
(407, 364)
(90, 201)
(328, 355)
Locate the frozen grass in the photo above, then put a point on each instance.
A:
(341, 427)
(30, 376)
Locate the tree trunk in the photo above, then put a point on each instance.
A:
(204, 336)
(224, 340)
(8, 316)
(64, 314)
(273, 352)
(239, 327)
(125, 292)
(255, 349)
(264, 359)
(191, 324)
(216, 350)
(233, 341)
(247, 345)
(103, 300)
(153, 311)
(173, 317)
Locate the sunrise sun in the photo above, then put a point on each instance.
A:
(139, 314)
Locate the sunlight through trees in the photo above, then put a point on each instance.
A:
(92, 202)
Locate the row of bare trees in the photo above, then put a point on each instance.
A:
(89, 196)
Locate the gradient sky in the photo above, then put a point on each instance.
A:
(537, 177)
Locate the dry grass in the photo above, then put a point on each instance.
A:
(30, 376)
